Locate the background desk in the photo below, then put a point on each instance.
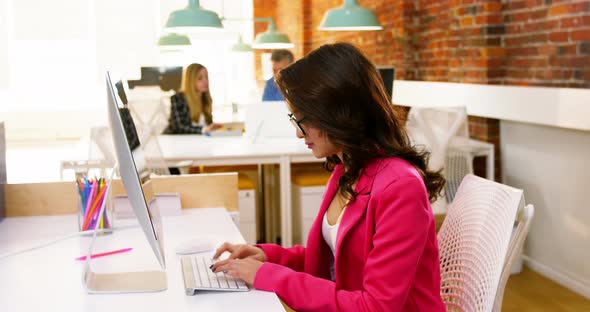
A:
(48, 279)
(219, 151)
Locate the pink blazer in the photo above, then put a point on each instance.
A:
(386, 250)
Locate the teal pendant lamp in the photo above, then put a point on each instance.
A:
(173, 42)
(241, 46)
(271, 38)
(350, 17)
(193, 19)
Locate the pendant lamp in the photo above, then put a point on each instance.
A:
(173, 42)
(193, 18)
(271, 38)
(350, 17)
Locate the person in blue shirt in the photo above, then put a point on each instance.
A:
(280, 59)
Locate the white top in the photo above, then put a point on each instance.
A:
(329, 232)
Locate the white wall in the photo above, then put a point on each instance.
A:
(552, 165)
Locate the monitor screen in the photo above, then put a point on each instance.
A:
(388, 76)
(168, 78)
(2, 171)
(132, 165)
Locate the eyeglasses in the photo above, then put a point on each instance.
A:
(296, 123)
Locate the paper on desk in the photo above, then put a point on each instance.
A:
(168, 204)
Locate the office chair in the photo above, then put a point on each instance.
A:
(101, 154)
(475, 244)
(458, 164)
(436, 129)
(521, 229)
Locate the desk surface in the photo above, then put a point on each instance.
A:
(49, 279)
(202, 148)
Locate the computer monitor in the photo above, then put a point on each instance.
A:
(137, 183)
(132, 167)
(168, 78)
(2, 172)
(388, 76)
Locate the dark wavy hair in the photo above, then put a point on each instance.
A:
(340, 92)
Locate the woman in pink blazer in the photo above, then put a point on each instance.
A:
(373, 244)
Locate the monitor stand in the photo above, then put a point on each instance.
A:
(121, 282)
(126, 282)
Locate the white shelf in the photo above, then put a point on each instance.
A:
(557, 107)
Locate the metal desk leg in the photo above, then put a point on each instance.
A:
(286, 217)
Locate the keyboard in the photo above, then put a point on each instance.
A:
(198, 276)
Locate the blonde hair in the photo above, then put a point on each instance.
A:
(197, 102)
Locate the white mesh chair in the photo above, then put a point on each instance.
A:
(458, 164)
(434, 129)
(521, 229)
(474, 241)
(150, 107)
(101, 154)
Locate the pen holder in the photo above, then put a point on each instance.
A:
(93, 193)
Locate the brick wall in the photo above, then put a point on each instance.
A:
(516, 42)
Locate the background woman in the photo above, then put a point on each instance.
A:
(191, 109)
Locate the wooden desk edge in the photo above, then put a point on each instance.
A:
(55, 198)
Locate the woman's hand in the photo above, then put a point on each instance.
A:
(240, 251)
(244, 269)
(212, 127)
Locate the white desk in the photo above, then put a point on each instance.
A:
(48, 279)
(208, 151)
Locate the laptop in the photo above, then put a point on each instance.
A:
(268, 120)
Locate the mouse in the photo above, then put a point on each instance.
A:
(195, 245)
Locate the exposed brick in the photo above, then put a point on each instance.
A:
(539, 14)
(559, 36)
(547, 50)
(534, 27)
(493, 52)
(517, 17)
(493, 30)
(466, 21)
(569, 49)
(558, 9)
(570, 22)
(488, 19)
(582, 34)
(491, 7)
(515, 5)
(508, 42)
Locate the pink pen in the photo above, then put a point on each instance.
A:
(102, 254)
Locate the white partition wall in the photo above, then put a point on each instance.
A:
(552, 166)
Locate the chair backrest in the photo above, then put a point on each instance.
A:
(101, 138)
(521, 229)
(458, 164)
(473, 243)
(434, 128)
